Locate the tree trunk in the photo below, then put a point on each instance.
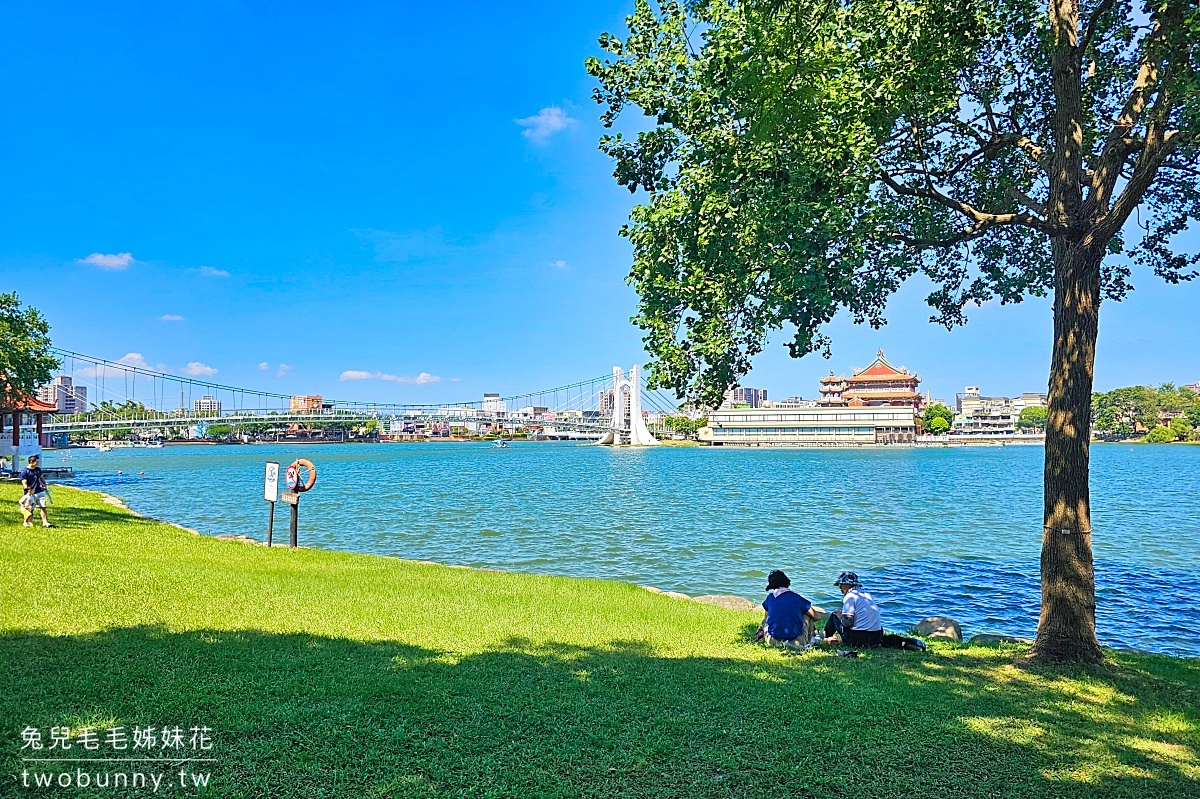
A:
(1067, 626)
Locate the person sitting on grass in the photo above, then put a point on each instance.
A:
(789, 617)
(35, 496)
(858, 622)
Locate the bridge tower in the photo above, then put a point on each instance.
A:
(627, 425)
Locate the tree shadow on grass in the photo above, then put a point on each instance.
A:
(307, 716)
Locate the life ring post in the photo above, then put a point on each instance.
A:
(297, 487)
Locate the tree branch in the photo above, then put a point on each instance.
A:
(1144, 172)
(970, 212)
(1093, 23)
(1115, 149)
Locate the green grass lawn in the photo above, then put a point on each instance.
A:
(339, 675)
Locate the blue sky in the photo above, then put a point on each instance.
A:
(408, 194)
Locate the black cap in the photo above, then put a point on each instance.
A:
(777, 579)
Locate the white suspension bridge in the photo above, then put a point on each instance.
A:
(130, 400)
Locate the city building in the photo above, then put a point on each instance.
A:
(1194, 386)
(305, 402)
(1030, 399)
(744, 396)
(790, 402)
(64, 395)
(207, 405)
(814, 426)
(531, 412)
(878, 384)
(493, 404)
(975, 414)
(607, 401)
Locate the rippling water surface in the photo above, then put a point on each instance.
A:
(951, 531)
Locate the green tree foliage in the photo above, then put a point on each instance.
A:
(1193, 413)
(1032, 417)
(937, 411)
(938, 425)
(1136, 409)
(684, 425)
(806, 157)
(1180, 428)
(25, 359)
(1159, 435)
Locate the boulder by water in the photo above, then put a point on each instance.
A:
(992, 638)
(725, 601)
(938, 627)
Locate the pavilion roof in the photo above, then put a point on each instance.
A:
(879, 370)
(21, 402)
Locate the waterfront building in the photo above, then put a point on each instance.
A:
(207, 405)
(531, 412)
(493, 404)
(979, 415)
(305, 402)
(607, 402)
(1030, 399)
(812, 426)
(790, 402)
(880, 384)
(1194, 386)
(744, 396)
(64, 395)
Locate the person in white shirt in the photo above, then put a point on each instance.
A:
(858, 622)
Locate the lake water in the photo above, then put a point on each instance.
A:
(948, 531)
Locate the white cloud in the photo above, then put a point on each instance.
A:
(421, 379)
(197, 369)
(264, 366)
(282, 370)
(540, 127)
(171, 317)
(109, 263)
(212, 271)
(133, 359)
(559, 264)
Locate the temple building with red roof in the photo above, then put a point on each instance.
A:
(21, 428)
(878, 384)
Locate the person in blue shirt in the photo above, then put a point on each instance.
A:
(789, 619)
(35, 496)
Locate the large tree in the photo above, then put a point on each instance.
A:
(805, 157)
(25, 358)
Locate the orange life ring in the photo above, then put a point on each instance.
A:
(312, 474)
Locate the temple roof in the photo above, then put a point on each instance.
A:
(25, 403)
(880, 369)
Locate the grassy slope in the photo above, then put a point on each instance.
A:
(331, 674)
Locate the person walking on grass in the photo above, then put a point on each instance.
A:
(858, 622)
(789, 617)
(35, 496)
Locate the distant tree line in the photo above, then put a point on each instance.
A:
(1164, 414)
